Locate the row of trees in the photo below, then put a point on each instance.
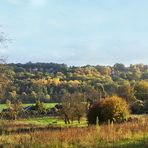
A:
(81, 98)
(49, 82)
(72, 107)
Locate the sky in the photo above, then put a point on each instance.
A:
(75, 32)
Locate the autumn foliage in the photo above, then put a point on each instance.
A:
(113, 109)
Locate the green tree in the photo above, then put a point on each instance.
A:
(141, 90)
(119, 67)
(127, 92)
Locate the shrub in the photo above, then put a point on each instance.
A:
(35, 110)
(39, 106)
(113, 109)
(146, 106)
(12, 111)
(137, 107)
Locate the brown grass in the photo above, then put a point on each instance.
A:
(100, 136)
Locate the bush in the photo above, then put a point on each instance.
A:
(146, 106)
(12, 111)
(35, 110)
(113, 109)
(138, 107)
(39, 106)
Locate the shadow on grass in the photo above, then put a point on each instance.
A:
(137, 144)
(143, 143)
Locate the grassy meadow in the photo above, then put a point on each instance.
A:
(52, 132)
(126, 135)
(52, 121)
(45, 121)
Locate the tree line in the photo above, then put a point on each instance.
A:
(48, 82)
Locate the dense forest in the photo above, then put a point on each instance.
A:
(48, 82)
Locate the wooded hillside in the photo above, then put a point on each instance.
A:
(50, 81)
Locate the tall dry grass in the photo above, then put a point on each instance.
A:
(96, 136)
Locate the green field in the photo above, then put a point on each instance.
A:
(53, 121)
(44, 121)
(47, 105)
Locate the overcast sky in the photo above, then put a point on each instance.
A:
(75, 32)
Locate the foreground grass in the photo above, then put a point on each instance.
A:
(126, 135)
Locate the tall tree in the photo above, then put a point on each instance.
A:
(3, 78)
(73, 107)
